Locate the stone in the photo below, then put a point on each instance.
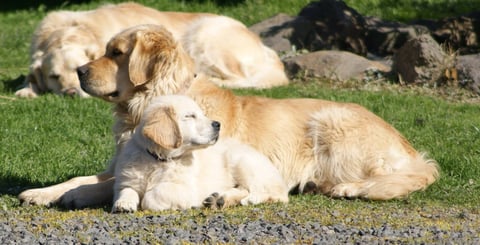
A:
(335, 65)
(422, 60)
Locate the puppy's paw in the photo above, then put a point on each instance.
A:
(346, 190)
(124, 206)
(214, 201)
(38, 197)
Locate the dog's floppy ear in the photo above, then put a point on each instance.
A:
(162, 128)
(152, 52)
(35, 78)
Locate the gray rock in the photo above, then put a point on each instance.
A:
(336, 65)
(468, 68)
(422, 61)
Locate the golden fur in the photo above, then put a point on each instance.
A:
(338, 149)
(167, 165)
(222, 47)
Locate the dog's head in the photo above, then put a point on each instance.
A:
(174, 125)
(143, 60)
(55, 62)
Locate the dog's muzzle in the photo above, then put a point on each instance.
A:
(82, 73)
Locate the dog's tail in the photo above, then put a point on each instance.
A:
(418, 175)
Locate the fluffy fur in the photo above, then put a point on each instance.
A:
(338, 149)
(65, 40)
(166, 166)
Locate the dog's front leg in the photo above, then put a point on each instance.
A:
(54, 194)
(89, 195)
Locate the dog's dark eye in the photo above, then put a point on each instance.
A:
(116, 52)
(54, 76)
(192, 116)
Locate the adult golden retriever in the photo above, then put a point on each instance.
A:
(221, 47)
(341, 149)
(174, 161)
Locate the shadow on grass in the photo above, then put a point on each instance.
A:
(10, 185)
(12, 85)
(12, 5)
(13, 186)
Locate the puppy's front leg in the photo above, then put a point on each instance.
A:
(125, 200)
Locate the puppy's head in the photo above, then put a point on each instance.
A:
(54, 64)
(141, 59)
(174, 125)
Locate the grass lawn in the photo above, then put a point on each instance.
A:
(51, 139)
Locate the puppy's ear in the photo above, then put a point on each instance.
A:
(161, 127)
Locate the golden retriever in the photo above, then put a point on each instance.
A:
(341, 149)
(222, 47)
(163, 167)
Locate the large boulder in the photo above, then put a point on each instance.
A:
(337, 26)
(384, 38)
(422, 61)
(458, 33)
(324, 24)
(335, 65)
(283, 32)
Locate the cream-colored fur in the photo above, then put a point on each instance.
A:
(167, 165)
(341, 149)
(65, 40)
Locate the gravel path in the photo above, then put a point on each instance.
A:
(100, 227)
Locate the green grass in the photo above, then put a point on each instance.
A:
(50, 139)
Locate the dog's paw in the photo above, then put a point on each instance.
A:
(124, 207)
(214, 201)
(254, 199)
(37, 197)
(346, 190)
(26, 93)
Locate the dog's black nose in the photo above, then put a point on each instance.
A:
(216, 125)
(70, 92)
(82, 71)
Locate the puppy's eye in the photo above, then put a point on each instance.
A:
(191, 116)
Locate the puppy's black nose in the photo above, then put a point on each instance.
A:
(216, 125)
(82, 71)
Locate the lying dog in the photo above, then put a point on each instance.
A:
(342, 149)
(223, 47)
(162, 166)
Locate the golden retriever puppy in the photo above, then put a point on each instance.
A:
(65, 40)
(342, 149)
(163, 166)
